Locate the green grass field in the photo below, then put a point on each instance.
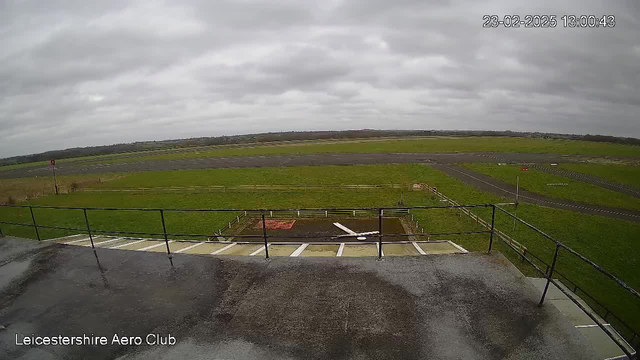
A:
(29, 188)
(623, 174)
(537, 181)
(611, 243)
(488, 144)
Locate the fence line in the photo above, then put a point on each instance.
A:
(504, 237)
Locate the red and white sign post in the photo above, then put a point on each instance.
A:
(52, 165)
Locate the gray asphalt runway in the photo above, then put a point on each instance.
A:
(508, 191)
(472, 306)
(289, 160)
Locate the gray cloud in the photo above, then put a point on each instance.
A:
(77, 73)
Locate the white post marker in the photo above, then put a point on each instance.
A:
(299, 250)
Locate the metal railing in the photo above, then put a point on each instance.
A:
(550, 271)
(380, 213)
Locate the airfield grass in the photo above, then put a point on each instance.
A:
(623, 174)
(611, 243)
(488, 144)
(22, 189)
(434, 144)
(537, 181)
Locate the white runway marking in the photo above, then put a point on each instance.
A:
(65, 237)
(340, 250)
(458, 247)
(154, 246)
(299, 250)
(189, 247)
(126, 244)
(108, 241)
(378, 248)
(590, 326)
(418, 248)
(76, 241)
(223, 249)
(258, 251)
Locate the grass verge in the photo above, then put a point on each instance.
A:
(553, 185)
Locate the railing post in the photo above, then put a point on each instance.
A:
(553, 265)
(264, 234)
(86, 220)
(493, 227)
(379, 234)
(35, 226)
(166, 237)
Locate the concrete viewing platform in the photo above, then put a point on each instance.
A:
(449, 306)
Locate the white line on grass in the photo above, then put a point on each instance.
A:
(299, 250)
(126, 244)
(153, 246)
(418, 248)
(223, 249)
(189, 247)
(340, 250)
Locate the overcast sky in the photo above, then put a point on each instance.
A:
(80, 73)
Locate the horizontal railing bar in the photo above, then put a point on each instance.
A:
(590, 315)
(18, 224)
(581, 257)
(605, 272)
(252, 210)
(565, 277)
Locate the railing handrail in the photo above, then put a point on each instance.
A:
(580, 256)
(240, 209)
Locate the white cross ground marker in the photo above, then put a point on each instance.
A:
(359, 236)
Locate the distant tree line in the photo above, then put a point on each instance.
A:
(292, 136)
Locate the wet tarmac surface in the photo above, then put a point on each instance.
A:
(429, 307)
